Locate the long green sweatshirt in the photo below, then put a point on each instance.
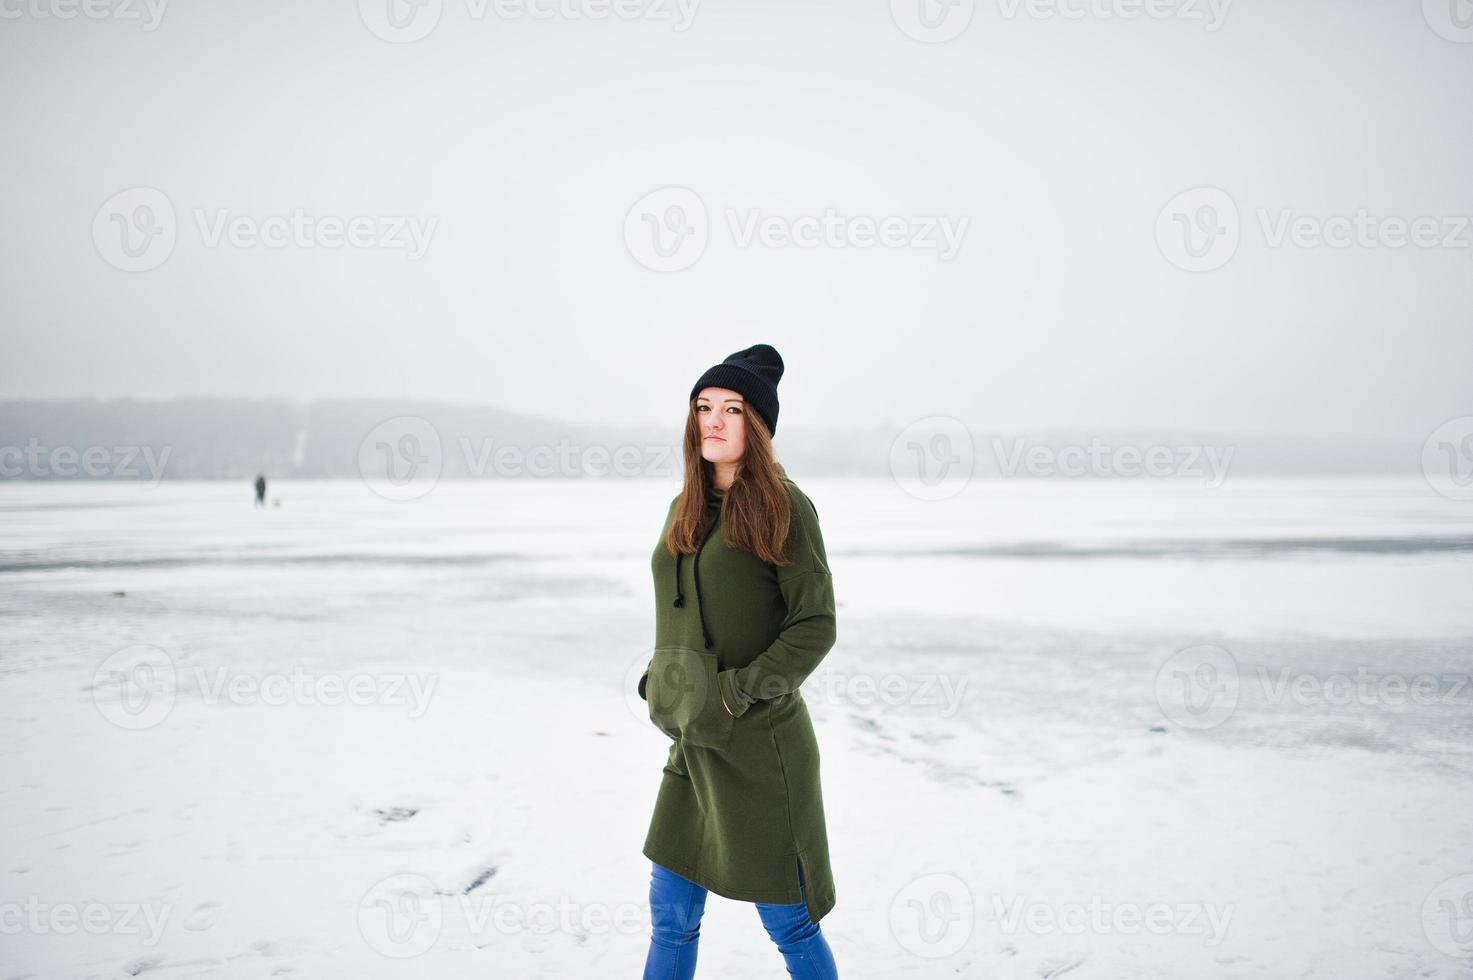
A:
(739, 807)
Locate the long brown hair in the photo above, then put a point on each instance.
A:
(756, 511)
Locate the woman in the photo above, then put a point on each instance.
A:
(741, 618)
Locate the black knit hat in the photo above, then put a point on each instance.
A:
(754, 373)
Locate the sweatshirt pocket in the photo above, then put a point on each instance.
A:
(684, 700)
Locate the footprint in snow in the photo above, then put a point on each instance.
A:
(871, 726)
(485, 875)
(133, 968)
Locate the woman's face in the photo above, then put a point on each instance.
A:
(721, 417)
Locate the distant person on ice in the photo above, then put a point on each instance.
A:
(739, 810)
(261, 490)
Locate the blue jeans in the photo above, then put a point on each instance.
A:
(676, 905)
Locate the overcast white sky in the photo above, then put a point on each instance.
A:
(1059, 140)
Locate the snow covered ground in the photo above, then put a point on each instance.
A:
(1095, 729)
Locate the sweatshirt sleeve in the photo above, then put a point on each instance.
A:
(808, 631)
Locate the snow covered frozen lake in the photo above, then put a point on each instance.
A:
(1094, 729)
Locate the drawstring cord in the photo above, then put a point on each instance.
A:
(696, 569)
